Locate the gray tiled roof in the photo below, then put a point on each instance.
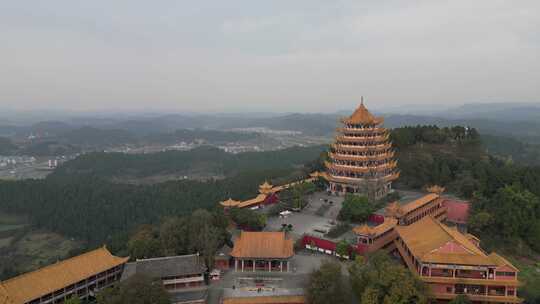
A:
(170, 266)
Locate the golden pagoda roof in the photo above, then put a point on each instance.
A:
(230, 203)
(362, 116)
(35, 284)
(265, 188)
(435, 189)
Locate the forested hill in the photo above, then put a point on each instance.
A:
(206, 159)
(80, 201)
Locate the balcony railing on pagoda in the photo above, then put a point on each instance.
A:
(380, 131)
(382, 156)
(347, 179)
(361, 148)
(347, 168)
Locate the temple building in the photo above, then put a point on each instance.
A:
(175, 272)
(268, 194)
(80, 276)
(381, 236)
(361, 159)
(452, 263)
(262, 251)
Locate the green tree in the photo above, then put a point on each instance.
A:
(173, 236)
(380, 280)
(514, 210)
(248, 219)
(138, 289)
(356, 208)
(144, 243)
(342, 248)
(204, 237)
(73, 300)
(461, 299)
(326, 285)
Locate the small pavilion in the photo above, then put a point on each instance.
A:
(262, 251)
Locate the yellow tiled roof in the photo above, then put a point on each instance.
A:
(254, 201)
(388, 224)
(425, 237)
(35, 284)
(418, 203)
(263, 245)
(362, 116)
(229, 203)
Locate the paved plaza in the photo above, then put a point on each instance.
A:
(307, 221)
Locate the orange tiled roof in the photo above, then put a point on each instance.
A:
(425, 237)
(263, 245)
(266, 300)
(436, 189)
(418, 203)
(389, 223)
(32, 285)
(363, 116)
(254, 201)
(230, 203)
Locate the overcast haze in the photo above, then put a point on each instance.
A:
(307, 56)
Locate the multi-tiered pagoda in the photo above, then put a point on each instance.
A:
(362, 160)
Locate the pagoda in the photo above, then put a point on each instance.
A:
(361, 159)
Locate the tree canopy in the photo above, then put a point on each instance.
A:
(326, 285)
(379, 280)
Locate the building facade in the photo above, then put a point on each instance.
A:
(80, 276)
(262, 251)
(452, 263)
(361, 159)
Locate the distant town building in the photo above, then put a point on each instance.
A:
(452, 263)
(262, 251)
(175, 272)
(82, 276)
(361, 159)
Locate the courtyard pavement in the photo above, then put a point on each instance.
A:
(307, 221)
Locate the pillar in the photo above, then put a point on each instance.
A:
(235, 264)
(288, 267)
(281, 266)
(242, 265)
(253, 265)
(270, 266)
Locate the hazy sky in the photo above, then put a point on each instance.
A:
(273, 55)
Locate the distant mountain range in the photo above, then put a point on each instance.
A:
(521, 120)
